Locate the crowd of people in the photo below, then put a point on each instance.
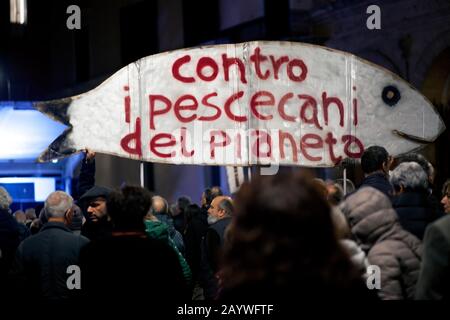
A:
(279, 237)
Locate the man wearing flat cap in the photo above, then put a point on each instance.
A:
(98, 223)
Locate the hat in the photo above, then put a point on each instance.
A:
(95, 192)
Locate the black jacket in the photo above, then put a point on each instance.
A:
(9, 240)
(86, 179)
(212, 244)
(94, 230)
(415, 211)
(195, 231)
(132, 270)
(40, 266)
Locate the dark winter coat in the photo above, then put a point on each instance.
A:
(40, 266)
(9, 241)
(415, 211)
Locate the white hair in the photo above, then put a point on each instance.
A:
(5, 199)
(57, 204)
(409, 175)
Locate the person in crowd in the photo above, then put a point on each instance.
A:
(206, 199)
(91, 199)
(178, 215)
(160, 210)
(30, 214)
(43, 216)
(430, 172)
(129, 268)
(77, 220)
(158, 230)
(423, 162)
(35, 226)
(374, 225)
(446, 196)
(219, 218)
(375, 163)
(9, 235)
(195, 230)
(411, 201)
(434, 279)
(216, 191)
(98, 223)
(334, 195)
(21, 219)
(86, 179)
(205, 202)
(282, 240)
(42, 260)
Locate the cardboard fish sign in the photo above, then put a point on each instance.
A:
(242, 104)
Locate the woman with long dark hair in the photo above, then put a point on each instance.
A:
(282, 245)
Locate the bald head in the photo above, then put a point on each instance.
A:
(57, 204)
(159, 205)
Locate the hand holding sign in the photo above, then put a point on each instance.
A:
(248, 103)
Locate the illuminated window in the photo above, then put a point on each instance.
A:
(18, 11)
(25, 132)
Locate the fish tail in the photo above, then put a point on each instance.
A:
(58, 111)
(59, 148)
(55, 109)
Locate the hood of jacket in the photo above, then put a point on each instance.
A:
(168, 221)
(157, 230)
(370, 215)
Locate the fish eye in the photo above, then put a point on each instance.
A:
(390, 95)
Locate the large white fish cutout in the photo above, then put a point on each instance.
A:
(248, 103)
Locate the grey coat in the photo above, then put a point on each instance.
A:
(397, 253)
(434, 280)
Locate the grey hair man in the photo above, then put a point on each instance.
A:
(412, 202)
(58, 207)
(408, 176)
(42, 260)
(221, 207)
(422, 161)
(219, 218)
